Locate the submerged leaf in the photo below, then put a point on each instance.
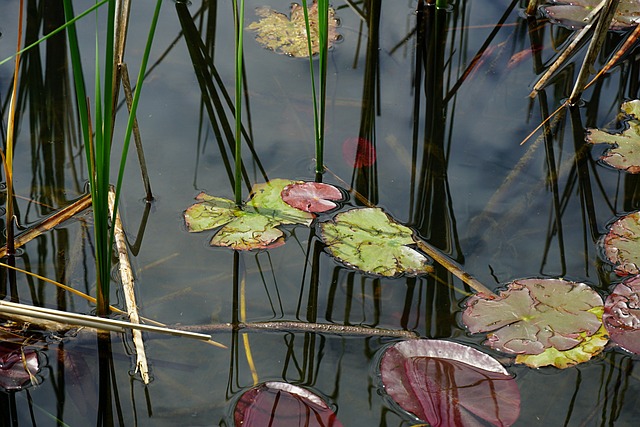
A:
(282, 404)
(253, 226)
(19, 366)
(277, 32)
(369, 240)
(625, 151)
(573, 13)
(534, 315)
(622, 314)
(446, 383)
(311, 196)
(622, 244)
(358, 152)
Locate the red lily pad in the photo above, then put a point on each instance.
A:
(542, 321)
(622, 315)
(622, 244)
(358, 152)
(19, 366)
(445, 383)
(281, 404)
(311, 196)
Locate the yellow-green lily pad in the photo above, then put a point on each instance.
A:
(624, 153)
(277, 32)
(622, 244)
(252, 226)
(369, 240)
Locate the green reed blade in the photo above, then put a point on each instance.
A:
(239, 29)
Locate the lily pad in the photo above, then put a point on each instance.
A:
(371, 241)
(445, 383)
(573, 13)
(19, 366)
(311, 196)
(282, 404)
(255, 225)
(278, 32)
(622, 244)
(622, 315)
(625, 151)
(555, 319)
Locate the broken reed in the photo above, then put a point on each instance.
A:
(97, 134)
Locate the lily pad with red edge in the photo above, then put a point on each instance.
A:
(280, 404)
(572, 13)
(622, 314)
(358, 152)
(624, 153)
(370, 240)
(558, 321)
(445, 383)
(311, 196)
(252, 226)
(622, 244)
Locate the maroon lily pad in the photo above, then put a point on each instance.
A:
(445, 384)
(281, 404)
(622, 315)
(313, 197)
(358, 152)
(18, 365)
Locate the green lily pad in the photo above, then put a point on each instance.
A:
(278, 32)
(253, 226)
(556, 320)
(371, 241)
(625, 151)
(572, 13)
(622, 245)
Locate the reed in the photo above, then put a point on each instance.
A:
(238, 9)
(98, 135)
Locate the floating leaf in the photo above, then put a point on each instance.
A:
(572, 13)
(311, 196)
(254, 226)
(622, 244)
(622, 314)
(358, 152)
(281, 404)
(277, 32)
(534, 315)
(445, 384)
(369, 240)
(625, 153)
(19, 366)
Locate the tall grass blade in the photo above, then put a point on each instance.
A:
(239, 29)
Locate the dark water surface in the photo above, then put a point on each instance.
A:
(448, 164)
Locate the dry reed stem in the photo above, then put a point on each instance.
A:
(128, 287)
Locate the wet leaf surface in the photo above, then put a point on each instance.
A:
(622, 244)
(19, 366)
(369, 240)
(572, 13)
(445, 384)
(311, 196)
(622, 315)
(278, 32)
(281, 404)
(255, 225)
(625, 151)
(557, 320)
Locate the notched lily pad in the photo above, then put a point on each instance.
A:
(625, 151)
(278, 32)
(371, 241)
(622, 244)
(311, 196)
(573, 13)
(285, 405)
(622, 315)
(557, 321)
(445, 383)
(255, 225)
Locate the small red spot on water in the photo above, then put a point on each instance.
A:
(358, 152)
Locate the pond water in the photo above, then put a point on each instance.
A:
(445, 101)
